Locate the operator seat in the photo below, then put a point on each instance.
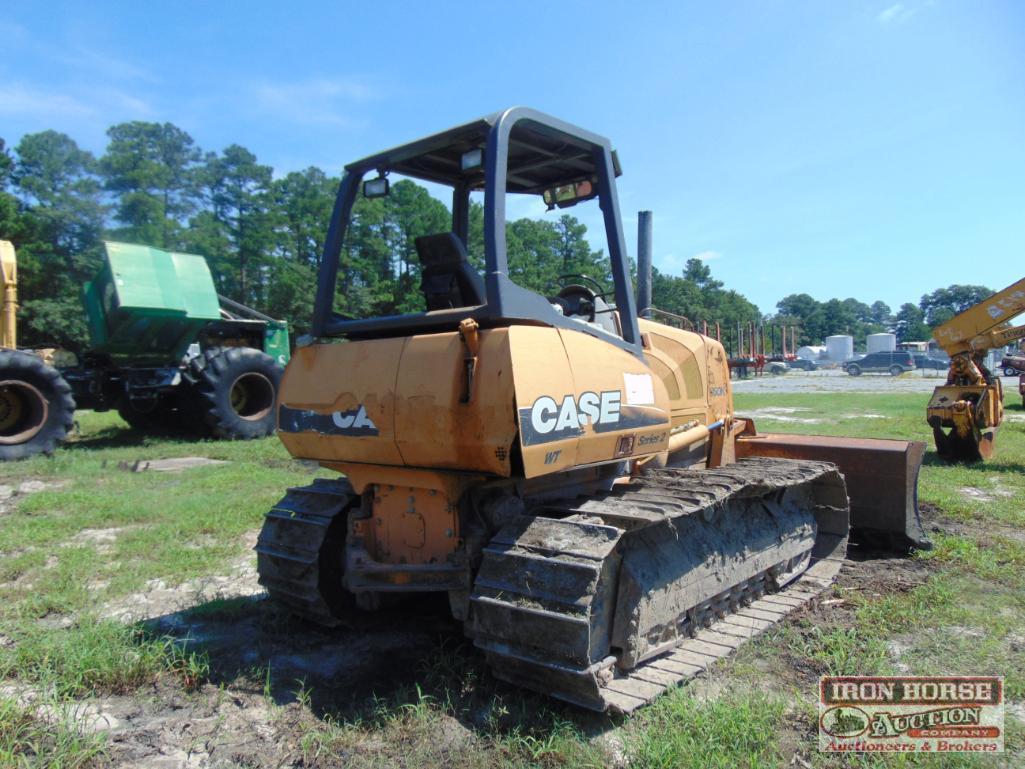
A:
(447, 280)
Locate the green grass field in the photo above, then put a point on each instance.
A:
(97, 533)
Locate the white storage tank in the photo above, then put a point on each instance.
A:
(811, 352)
(881, 342)
(840, 347)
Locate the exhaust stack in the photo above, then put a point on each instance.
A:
(644, 264)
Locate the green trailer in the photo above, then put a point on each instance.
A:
(167, 350)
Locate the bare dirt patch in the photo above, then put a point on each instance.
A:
(255, 650)
(11, 492)
(101, 539)
(161, 599)
(897, 647)
(783, 414)
(871, 574)
(991, 494)
(173, 465)
(982, 531)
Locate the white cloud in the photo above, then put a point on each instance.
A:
(319, 101)
(19, 99)
(32, 101)
(897, 13)
(102, 64)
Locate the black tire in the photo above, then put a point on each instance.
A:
(235, 390)
(854, 369)
(36, 408)
(1008, 371)
(896, 370)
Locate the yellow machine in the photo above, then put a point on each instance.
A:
(36, 407)
(965, 412)
(574, 477)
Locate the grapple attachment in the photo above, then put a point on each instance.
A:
(881, 476)
(964, 420)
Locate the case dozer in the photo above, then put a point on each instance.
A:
(574, 477)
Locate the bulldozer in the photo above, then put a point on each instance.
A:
(166, 351)
(965, 412)
(574, 477)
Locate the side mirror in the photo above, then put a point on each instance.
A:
(376, 188)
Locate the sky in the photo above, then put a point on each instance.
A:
(869, 148)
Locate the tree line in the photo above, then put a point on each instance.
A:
(263, 237)
(816, 320)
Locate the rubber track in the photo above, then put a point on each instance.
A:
(290, 545)
(718, 625)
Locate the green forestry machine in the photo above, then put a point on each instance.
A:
(166, 351)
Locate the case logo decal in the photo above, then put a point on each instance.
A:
(557, 418)
(547, 416)
(353, 422)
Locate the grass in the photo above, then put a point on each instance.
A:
(98, 657)
(99, 533)
(738, 729)
(28, 739)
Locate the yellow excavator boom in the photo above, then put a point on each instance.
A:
(961, 333)
(1000, 337)
(966, 412)
(9, 278)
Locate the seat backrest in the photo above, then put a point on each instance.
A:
(447, 279)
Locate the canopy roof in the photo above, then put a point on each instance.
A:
(540, 156)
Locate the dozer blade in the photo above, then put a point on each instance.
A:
(881, 476)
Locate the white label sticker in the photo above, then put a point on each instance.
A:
(640, 391)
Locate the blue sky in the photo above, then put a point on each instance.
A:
(873, 149)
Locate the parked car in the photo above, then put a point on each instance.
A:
(804, 365)
(893, 363)
(926, 361)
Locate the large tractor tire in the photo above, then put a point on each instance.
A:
(235, 389)
(36, 407)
